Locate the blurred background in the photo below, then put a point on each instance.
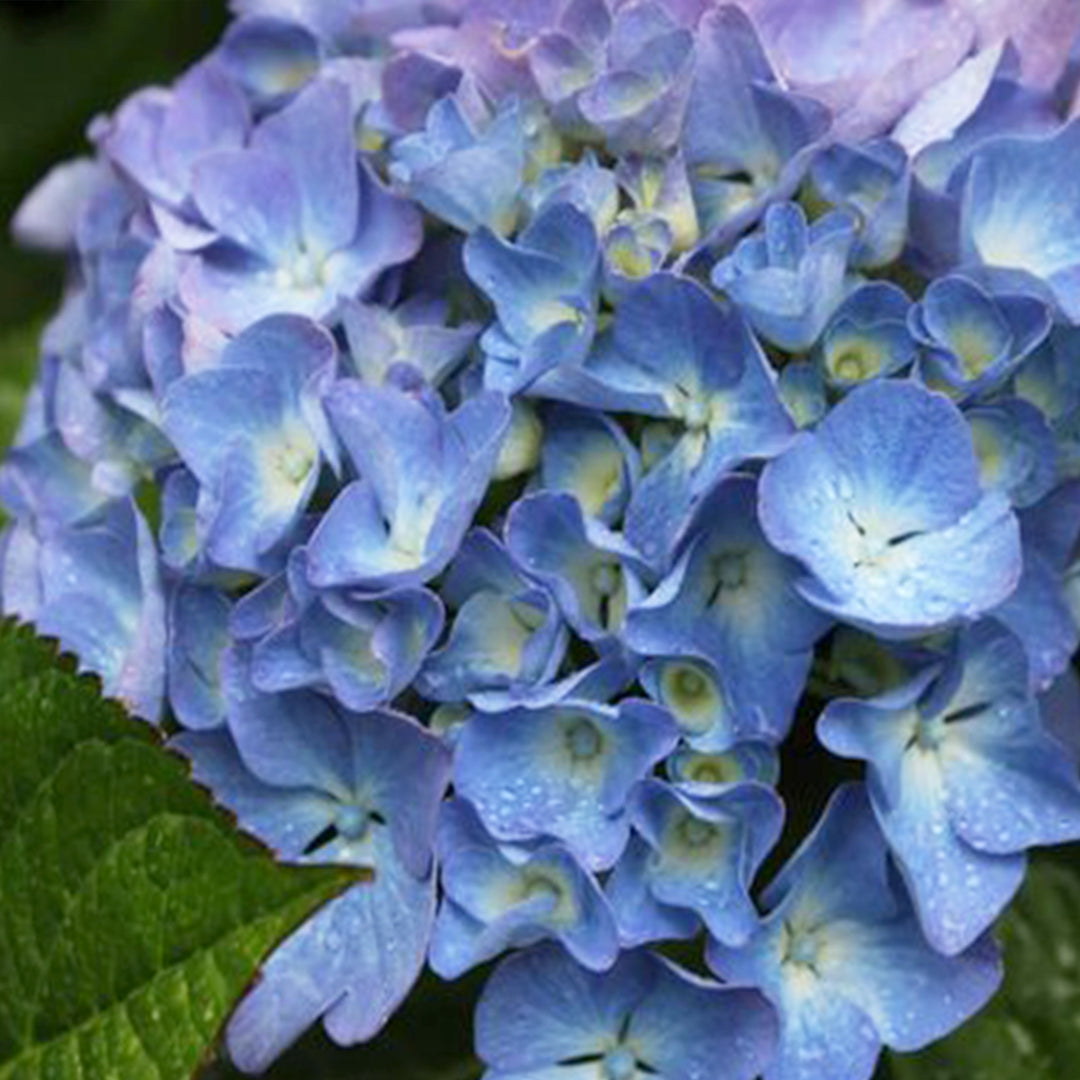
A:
(61, 63)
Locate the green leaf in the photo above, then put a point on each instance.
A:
(132, 913)
(1031, 1030)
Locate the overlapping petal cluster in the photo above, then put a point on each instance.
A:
(479, 431)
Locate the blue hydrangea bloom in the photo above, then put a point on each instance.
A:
(591, 571)
(544, 290)
(543, 1015)
(691, 689)
(748, 141)
(438, 166)
(363, 650)
(297, 224)
(842, 958)
(963, 779)
(423, 472)
(254, 434)
(974, 341)
(732, 600)
(873, 182)
(562, 771)
(868, 337)
(498, 896)
(696, 850)
(882, 503)
(330, 786)
(789, 277)
(507, 634)
(721, 405)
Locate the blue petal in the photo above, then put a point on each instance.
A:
(641, 918)
(840, 871)
(252, 199)
(43, 479)
(1040, 615)
(1011, 215)
(198, 636)
(285, 818)
(825, 1037)
(912, 995)
(1008, 785)
(339, 966)
(101, 595)
(314, 135)
(587, 455)
(269, 57)
(290, 740)
(539, 1008)
(688, 1026)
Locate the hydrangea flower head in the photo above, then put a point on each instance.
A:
(492, 438)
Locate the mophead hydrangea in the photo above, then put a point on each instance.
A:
(481, 432)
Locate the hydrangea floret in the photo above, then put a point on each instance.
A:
(496, 440)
